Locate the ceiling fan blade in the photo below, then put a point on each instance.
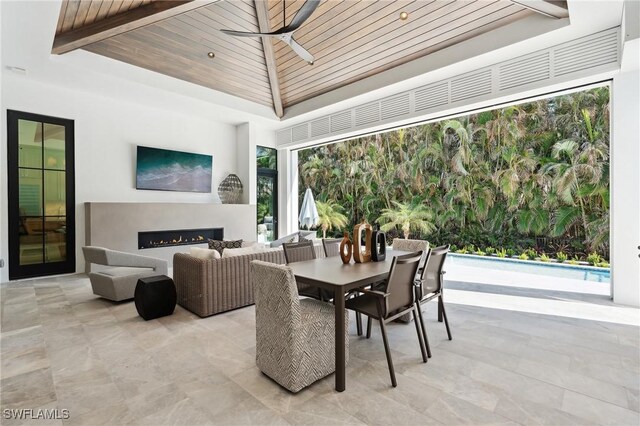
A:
(303, 14)
(248, 34)
(301, 51)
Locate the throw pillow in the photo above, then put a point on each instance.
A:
(231, 252)
(203, 253)
(221, 245)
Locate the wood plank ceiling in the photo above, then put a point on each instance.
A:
(350, 39)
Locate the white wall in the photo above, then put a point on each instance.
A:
(106, 134)
(625, 179)
(116, 106)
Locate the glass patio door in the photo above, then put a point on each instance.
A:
(267, 184)
(41, 195)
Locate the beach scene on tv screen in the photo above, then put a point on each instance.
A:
(167, 170)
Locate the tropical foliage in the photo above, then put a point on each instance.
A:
(266, 158)
(408, 218)
(534, 175)
(331, 216)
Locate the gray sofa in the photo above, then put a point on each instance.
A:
(119, 281)
(211, 286)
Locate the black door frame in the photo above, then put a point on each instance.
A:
(17, 271)
(272, 173)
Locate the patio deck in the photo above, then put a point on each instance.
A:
(63, 347)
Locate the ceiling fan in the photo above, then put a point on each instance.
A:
(286, 32)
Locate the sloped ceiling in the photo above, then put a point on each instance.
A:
(350, 39)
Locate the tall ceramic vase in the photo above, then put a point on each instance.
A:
(346, 248)
(379, 246)
(362, 254)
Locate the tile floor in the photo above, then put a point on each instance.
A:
(61, 347)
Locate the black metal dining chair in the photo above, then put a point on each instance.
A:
(431, 285)
(381, 285)
(298, 252)
(397, 299)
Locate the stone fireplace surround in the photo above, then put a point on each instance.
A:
(116, 225)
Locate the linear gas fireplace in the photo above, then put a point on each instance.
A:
(178, 237)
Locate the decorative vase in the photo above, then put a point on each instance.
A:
(379, 246)
(362, 254)
(346, 244)
(230, 190)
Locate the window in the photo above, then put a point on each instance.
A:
(267, 199)
(41, 195)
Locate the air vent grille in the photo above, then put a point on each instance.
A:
(396, 106)
(367, 114)
(283, 136)
(598, 52)
(320, 127)
(592, 52)
(341, 121)
(300, 132)
(471, 85)
(432, 96)
(524, 71)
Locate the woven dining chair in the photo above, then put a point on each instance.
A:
(412, 246)
(299, 252)
(397, 299)
(331, 246)
(295, 338)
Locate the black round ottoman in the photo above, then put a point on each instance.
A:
(155, 297)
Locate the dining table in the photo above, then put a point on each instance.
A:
(330, 273)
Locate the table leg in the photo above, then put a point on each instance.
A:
(338, 298)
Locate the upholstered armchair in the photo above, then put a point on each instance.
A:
(119, 282)
(412, 246)
(294, 337)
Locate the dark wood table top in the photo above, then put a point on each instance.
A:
(330, 272)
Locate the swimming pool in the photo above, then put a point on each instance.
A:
(576, 272)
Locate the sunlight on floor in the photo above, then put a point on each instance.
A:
(548, 306)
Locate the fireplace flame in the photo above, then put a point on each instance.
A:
(173, 238)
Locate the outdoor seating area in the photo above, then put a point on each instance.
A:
(319, 212)
(504, 364)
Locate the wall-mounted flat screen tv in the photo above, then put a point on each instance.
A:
(166, 170)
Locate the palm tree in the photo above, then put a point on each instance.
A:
(408, 218)
(536, 169)
(330, 216)
(578, 173)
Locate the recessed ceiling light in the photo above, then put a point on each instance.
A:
(211, 55)
(404, 16)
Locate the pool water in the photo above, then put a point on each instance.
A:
(575, 272)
